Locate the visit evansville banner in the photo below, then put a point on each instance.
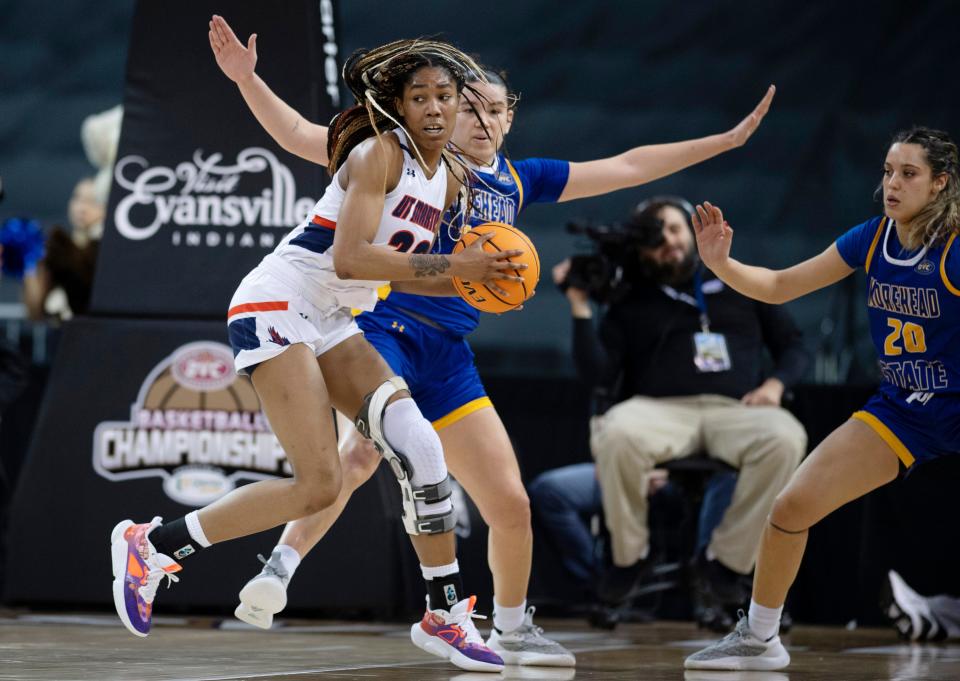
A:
(200, 192)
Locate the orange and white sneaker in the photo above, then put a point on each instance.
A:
(137, 571)
(453, 636)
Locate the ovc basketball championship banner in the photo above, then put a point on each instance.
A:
(200, 192)
(145, 417)
(195, 426)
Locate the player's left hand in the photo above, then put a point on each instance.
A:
(740, 134)
(768, 394)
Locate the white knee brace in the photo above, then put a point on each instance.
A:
(410, 445)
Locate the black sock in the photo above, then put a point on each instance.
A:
(444, 592)
(174, 540)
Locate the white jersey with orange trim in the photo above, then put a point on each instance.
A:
(411, 213)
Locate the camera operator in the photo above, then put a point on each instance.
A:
(680, 358)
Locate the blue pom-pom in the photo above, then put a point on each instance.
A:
(22, 240)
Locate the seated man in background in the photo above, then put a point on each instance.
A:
(684, 355)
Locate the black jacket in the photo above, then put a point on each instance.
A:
(644, 345)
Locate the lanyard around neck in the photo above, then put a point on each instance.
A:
(697, 300)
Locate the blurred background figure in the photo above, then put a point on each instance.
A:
(677, 366)
(921, 618)
(57, 285)
(87, 210)
(567, 503)
(100, 134)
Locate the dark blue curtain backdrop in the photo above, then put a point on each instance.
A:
(596, 78)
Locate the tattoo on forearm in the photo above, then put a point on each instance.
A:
(429, 265)
(296, 125)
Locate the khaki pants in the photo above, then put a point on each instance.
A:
(765, 444)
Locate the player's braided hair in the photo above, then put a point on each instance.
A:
(376, 78)
(941, 217)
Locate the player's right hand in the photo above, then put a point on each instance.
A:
(236, 61)
(475, 264)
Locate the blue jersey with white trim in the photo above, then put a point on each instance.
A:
(913, 304)
(499, 194)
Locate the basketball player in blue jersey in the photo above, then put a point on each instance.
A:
(292, 331)
(912, 262)
(423, 338)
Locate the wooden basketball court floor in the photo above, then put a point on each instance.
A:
(84, 647)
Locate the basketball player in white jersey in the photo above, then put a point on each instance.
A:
(292, 331)
(477, 447)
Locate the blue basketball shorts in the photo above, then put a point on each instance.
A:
(437, 365)
(919, 427)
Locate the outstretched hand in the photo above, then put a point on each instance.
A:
(714, 235)
(236, 61)
(749, 125)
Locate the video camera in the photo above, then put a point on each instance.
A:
(601, 273)
(615, 264)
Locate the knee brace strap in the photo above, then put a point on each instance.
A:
(370, 424)
(370, 419)
(431, 494)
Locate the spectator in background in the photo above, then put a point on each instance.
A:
(59, 284)
(86, 211)
(686, 355)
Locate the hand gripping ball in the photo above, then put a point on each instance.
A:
(505, 238)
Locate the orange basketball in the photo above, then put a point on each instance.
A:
(505, 238)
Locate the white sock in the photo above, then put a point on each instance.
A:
(288, 557)
(432, 572)
(764, 622)
(508, 619)
(196, 531)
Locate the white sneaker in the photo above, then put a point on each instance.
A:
(741, 650)
(453, 636)
(910, 612)
(527, 645)
(265, 595)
